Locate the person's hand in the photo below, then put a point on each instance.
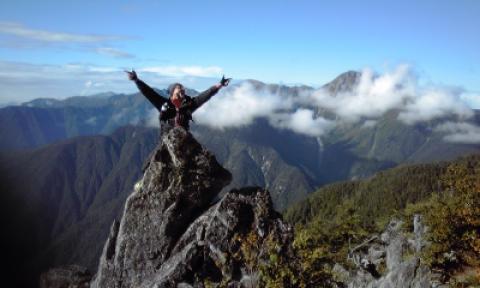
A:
(225, 81)
(132, 75)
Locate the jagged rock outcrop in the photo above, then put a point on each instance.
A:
(172, 235)
(72, 276)
(390, 260)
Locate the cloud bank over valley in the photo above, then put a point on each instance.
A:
(371, 97)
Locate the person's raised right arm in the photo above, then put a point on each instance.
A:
(156, 99)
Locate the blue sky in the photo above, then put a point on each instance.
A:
(51, 48)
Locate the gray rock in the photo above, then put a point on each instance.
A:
(419, 230)
(72, 276)
(400, 256)
(394, 243)
(171, 235)
(376, 254)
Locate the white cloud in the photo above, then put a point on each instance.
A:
(21, 36)
(303, 121)
(372, 97)
(21, 81)
(179, 71)
(109, 51)
(434, 103)
(460, 132)
(100, 69)
(472, 99)
(92, 87)
(242, 104)
(369, 123)
(239, 106)
(19, 30)
(398, 89)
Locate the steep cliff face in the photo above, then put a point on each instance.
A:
(172, 233)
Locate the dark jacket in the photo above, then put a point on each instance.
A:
(167, 109)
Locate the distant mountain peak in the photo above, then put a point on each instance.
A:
(254, 81)
(344, 82)
(42, 103)
(103, 94)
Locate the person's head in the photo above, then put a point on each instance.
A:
(177, 91)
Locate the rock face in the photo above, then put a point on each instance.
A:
(72, 276)
(390, 260)
(171, 234)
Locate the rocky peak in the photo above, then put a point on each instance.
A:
(344, 82)
(172, 234)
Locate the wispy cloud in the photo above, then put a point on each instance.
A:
(178, 71)
(23, 37)
(116, 53)
(461, 132)
(20, 81)
(19, 30)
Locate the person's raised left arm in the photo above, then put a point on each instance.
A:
(156, 99)
(207, 94)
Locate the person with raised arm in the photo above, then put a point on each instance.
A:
(176, 110)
